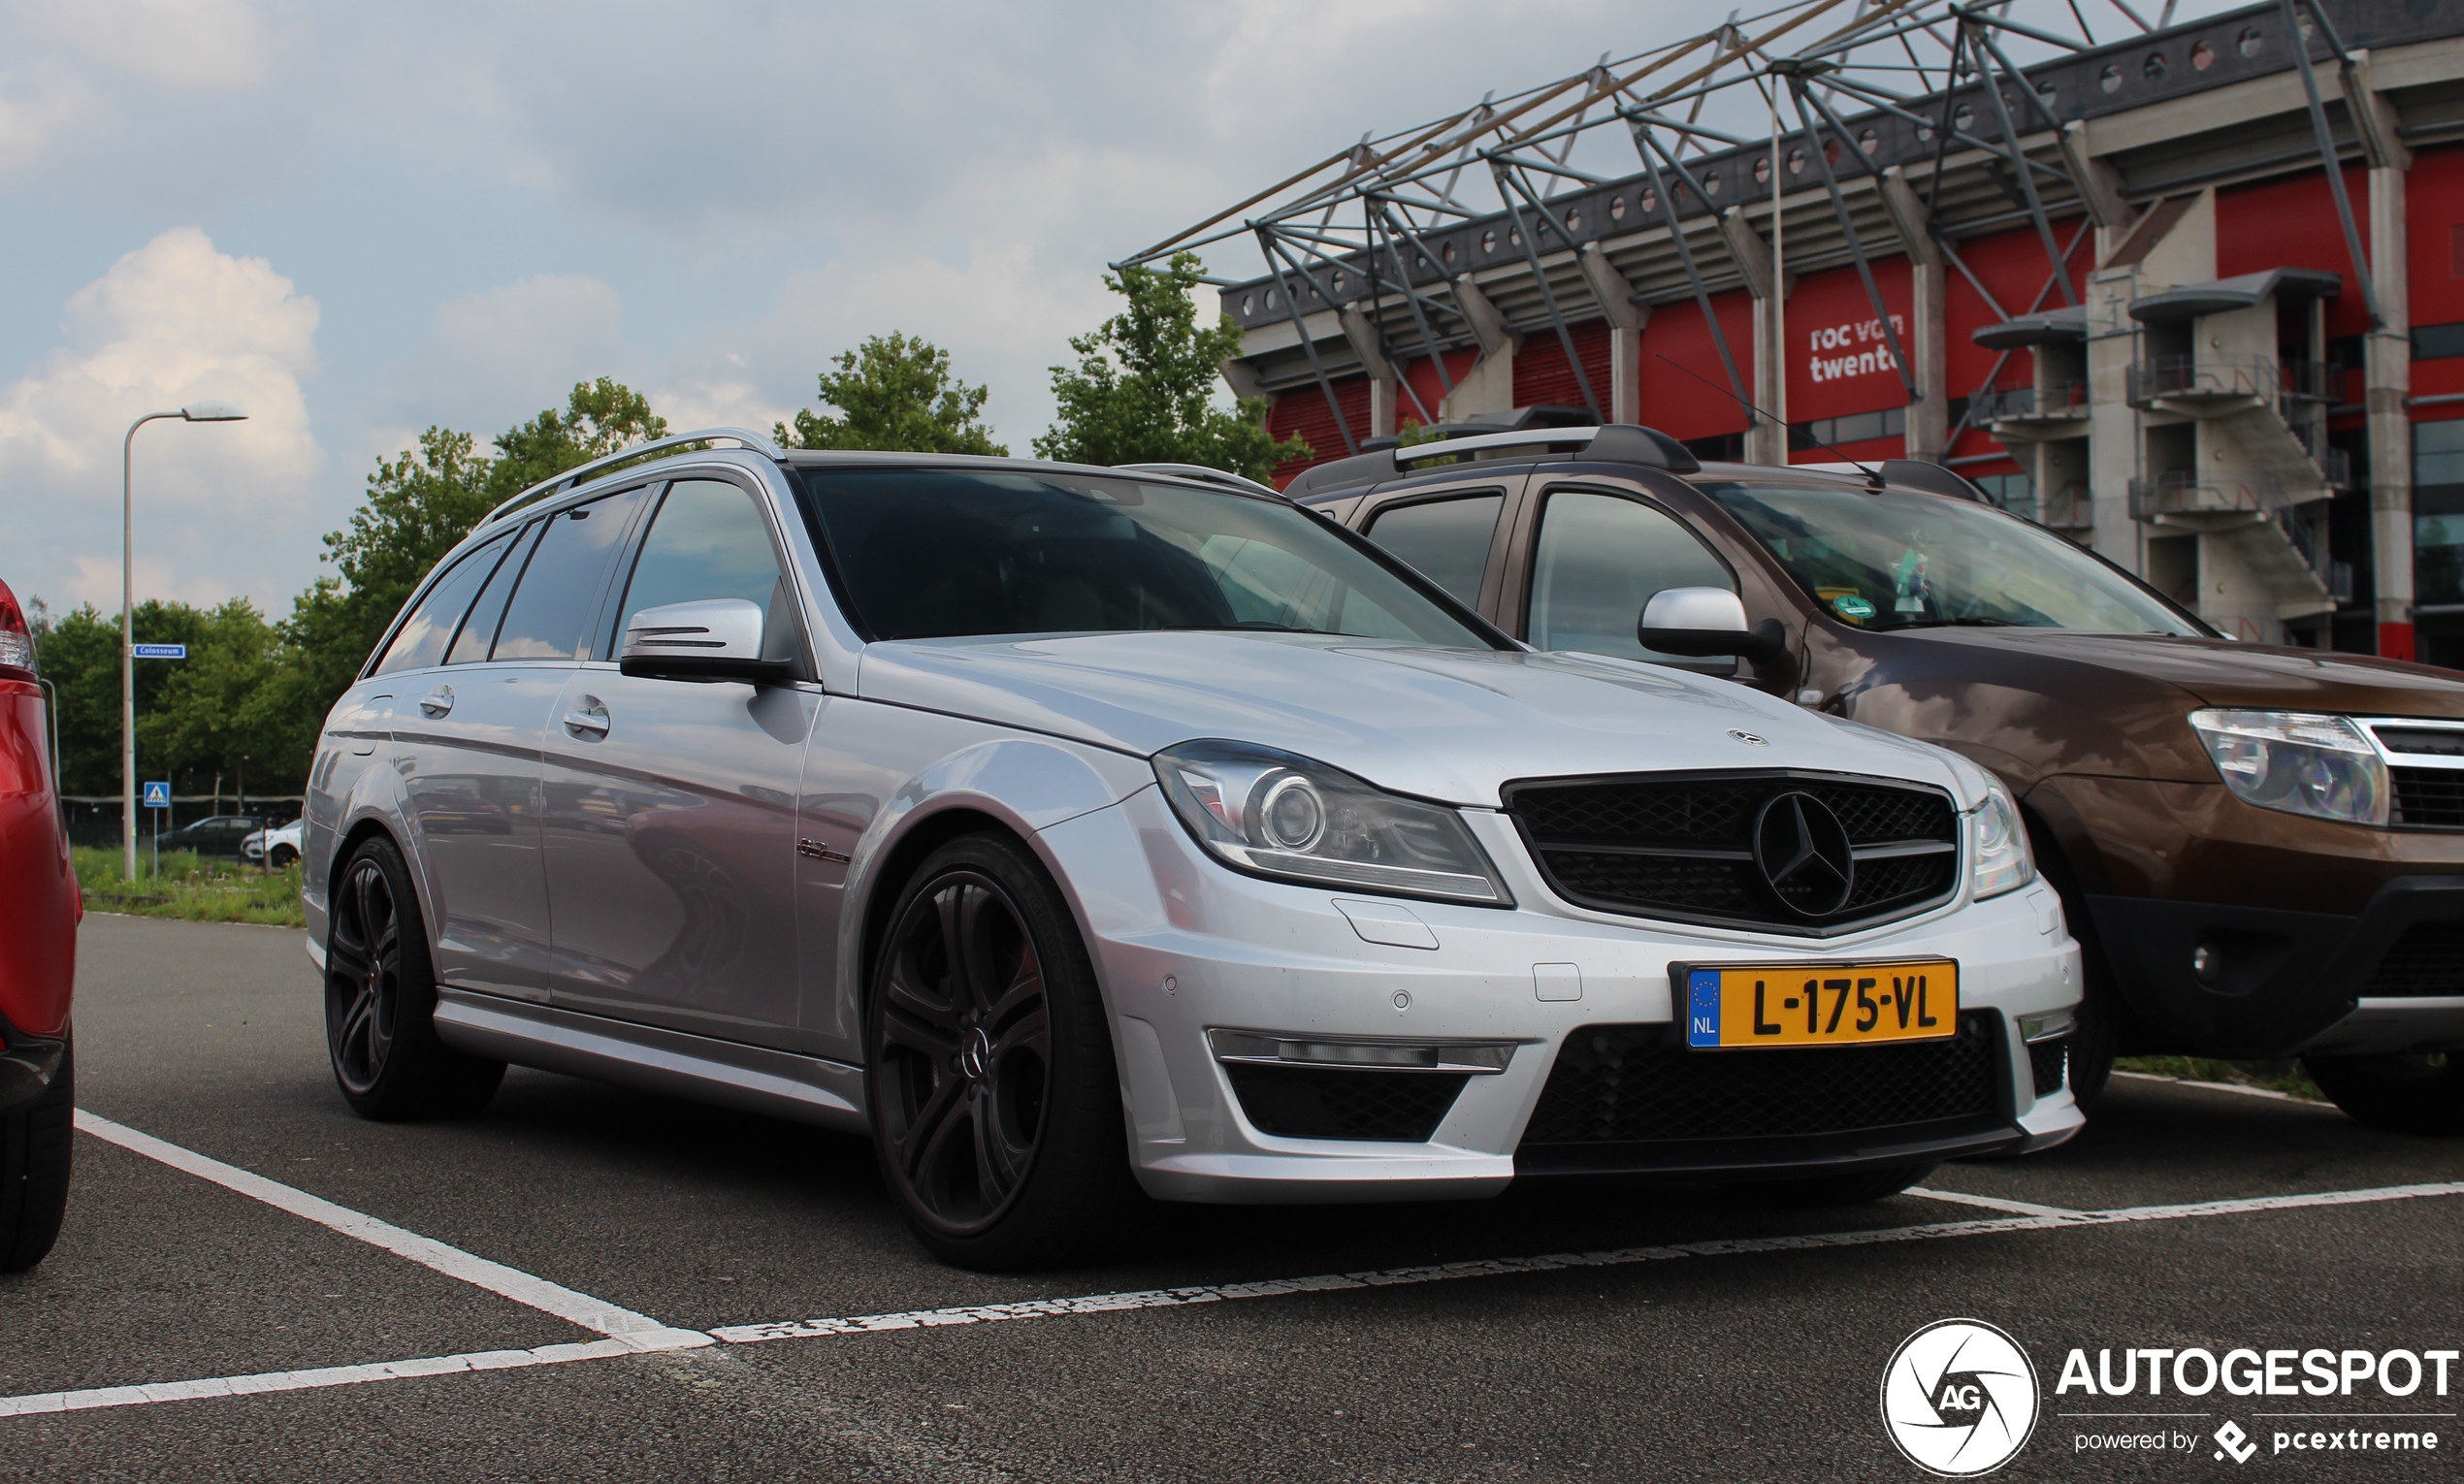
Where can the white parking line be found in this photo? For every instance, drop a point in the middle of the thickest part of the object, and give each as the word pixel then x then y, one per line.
pixel 310 1380
pixel 2248 1092
pixel 642 1334
pixel 1990 1202
pixel 628 1329
pixel 1170 1298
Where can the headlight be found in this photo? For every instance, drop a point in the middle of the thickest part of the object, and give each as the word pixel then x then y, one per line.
pixel 1278 815
pixel 2298 761
pixel 2003 860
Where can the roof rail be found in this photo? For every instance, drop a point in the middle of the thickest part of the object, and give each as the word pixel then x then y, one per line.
pixel 1613 444
pixel 1204 476
pixel 757 442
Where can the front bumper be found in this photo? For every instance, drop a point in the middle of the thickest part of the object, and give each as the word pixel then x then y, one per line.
pixel 2279 982
pixel 1186 948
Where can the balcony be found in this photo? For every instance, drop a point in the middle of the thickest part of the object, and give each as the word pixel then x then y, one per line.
pixel 2193 380
pixel 2069 509
pixel 2182 492
pixel 2023 401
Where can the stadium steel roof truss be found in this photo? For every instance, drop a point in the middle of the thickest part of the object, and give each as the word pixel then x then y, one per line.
pixel 1922 122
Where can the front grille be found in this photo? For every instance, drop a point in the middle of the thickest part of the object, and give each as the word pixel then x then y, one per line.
pixel 1323 1103
pixel 1630 1085
pixel 1681 845
pixel 2048 1062
pixel 2427 960
pixel 2428 799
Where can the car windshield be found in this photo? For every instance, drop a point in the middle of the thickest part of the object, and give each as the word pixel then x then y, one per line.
pixel 1894 558
pixel 936 553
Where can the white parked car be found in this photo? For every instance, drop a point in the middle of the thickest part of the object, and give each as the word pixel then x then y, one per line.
pixel 283 842
pixel 1072 832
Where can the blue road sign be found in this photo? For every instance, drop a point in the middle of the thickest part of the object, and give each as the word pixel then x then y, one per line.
pixel 162 651
pixel 158 796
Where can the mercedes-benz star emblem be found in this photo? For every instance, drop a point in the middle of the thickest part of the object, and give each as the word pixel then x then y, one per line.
pixel 1804 852
pixel 1748 739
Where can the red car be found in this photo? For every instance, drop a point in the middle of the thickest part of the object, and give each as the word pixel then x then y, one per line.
pixel 38 962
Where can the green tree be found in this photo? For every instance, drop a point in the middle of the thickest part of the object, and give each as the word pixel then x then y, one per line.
pixel 599 417
pixel 1144 389
pixel 420 504
pixel 895 394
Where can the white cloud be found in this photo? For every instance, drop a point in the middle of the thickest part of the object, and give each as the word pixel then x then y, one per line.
pixel 183 42
pixel 1002 317
pixel 493 359
pixel 172 323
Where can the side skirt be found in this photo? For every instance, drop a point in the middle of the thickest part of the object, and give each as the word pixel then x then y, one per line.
pixel 752 1079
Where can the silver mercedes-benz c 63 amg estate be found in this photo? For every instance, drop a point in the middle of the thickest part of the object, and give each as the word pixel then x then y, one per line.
pixel 1078 832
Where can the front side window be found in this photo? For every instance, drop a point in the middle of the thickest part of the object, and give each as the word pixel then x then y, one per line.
pixel 558 596
pixel 1897 559
pixel 1447 539
pixel 1596 562
pixel 709 540
pixel 925 553
pixel 421 641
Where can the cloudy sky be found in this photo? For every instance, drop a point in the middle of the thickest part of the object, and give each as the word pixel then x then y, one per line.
pixel 360 220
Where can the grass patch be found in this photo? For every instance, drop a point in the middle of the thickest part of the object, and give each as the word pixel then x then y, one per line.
pixel 191 887
pixel 2273 1076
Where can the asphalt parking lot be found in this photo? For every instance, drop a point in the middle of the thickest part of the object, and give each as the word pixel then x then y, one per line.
pixel 1550 1334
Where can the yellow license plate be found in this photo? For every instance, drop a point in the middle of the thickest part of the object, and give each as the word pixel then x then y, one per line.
pixel 1820 1004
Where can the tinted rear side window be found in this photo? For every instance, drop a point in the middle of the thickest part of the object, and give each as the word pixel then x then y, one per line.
pixel 552 609
pixel 479 629
pixel 421 641
pixel 1447 539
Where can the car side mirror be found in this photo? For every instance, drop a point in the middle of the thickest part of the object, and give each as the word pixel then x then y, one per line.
pixel 1706 622
pixel 718 638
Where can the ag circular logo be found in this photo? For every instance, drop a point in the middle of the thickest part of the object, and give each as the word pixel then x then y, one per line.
pixel 1960 1398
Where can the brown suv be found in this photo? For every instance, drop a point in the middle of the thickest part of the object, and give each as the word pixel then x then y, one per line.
pixel 2261 848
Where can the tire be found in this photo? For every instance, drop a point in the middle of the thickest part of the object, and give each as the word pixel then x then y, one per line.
pixel 34 1170
pixel 284 856
pixel 1854 1189
pixel 380 1000
pixel 2408 1092
pixel 994 1099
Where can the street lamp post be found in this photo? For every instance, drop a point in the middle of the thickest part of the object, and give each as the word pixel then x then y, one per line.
pixel 194 412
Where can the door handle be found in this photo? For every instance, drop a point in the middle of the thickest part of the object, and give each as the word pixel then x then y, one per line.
pixel 589 718
pixel 436 702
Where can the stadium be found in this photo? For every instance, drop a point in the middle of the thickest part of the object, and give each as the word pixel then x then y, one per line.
pixel 2095 260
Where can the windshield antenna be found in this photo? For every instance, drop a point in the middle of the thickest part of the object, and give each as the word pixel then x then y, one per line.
pixel 1873 475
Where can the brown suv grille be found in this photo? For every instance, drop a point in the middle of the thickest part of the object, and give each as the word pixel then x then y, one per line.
pixel 2428 960
pixel 1681 845
pixel 2428 799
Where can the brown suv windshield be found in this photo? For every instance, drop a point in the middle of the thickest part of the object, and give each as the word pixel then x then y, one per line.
pixel 1891 559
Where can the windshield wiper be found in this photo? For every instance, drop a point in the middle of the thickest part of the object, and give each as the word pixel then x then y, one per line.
pixel 1962 623
pixel 1257 625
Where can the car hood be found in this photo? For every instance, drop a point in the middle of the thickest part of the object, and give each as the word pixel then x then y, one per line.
pixel 1443 723
pixel 2225 673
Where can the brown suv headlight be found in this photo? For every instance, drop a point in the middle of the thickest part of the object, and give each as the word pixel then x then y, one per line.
pixel 2298 761
pixel 1277 814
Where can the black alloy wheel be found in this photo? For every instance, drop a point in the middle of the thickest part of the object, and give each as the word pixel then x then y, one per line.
pixel 967 1041
pixel 363 977
pixel 381 999
pixel 995 1103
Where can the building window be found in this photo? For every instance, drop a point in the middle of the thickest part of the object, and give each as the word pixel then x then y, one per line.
pixel 2437 454
pixel 1855 428
pixel 2437 343
pixel 2011 492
